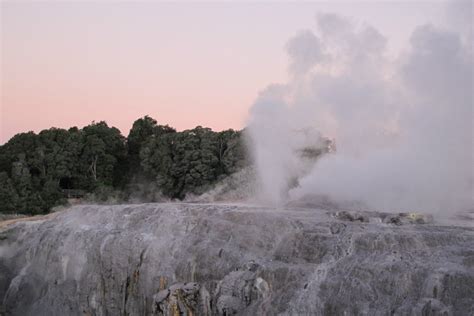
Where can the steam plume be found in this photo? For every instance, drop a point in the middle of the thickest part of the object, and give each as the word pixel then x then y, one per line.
pixel 403 126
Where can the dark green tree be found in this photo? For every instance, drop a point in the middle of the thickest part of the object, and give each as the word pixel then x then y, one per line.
pixel 142 130
pixel 103 148
pixel 29 199
pixel 8 195
pixel 193 160
pixel 23 144
pixel 232 151
pixel 37 171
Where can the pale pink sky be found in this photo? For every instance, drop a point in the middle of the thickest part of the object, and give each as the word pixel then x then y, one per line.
pixel 66 64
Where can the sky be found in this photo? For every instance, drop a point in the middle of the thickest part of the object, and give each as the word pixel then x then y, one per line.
pixel 185 64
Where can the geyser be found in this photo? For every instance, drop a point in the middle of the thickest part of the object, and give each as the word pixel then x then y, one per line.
pixel 403 126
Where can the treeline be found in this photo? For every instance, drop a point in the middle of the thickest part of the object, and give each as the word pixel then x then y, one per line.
pixel 39 171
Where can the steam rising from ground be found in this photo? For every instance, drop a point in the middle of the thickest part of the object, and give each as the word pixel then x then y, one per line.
pixel 403 126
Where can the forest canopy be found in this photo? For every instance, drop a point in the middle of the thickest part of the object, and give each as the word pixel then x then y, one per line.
pixel 40 171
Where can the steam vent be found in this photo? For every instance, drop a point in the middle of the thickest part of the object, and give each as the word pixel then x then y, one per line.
pixel 217 259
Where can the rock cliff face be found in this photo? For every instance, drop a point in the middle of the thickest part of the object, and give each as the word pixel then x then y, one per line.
pixel 204 259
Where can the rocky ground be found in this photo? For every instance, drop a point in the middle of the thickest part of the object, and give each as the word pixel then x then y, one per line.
pixel 217 259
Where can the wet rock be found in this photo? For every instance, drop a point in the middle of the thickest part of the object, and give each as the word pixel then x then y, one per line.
pixel 407 218
pixel 392 219
pixel 351 216
pixel 337 228
pixel 179 299
pixel 201 259
pixel 433 307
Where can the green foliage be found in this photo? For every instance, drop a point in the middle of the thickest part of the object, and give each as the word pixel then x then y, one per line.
pixel 37 170
pixel 192 160
pixel 142 130
pixel 21 144
pixel 51 195
pixel 29 199
pixel 103 148
pixel 232 151
pixel 8 196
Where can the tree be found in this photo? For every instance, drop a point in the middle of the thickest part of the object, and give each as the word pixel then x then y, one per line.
pixel 103 147
pixel 232 151
pixel 29 200
pixel 157 160
pixel 8 195
pixel 35 169
pixel 142 130
pixel 191 161
pixel 24 144
pixel 56 154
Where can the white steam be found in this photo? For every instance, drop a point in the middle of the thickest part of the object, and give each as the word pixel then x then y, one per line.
pixel 403 127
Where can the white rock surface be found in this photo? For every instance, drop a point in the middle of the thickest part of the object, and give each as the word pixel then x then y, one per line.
pixel 218 259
